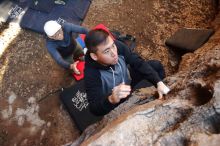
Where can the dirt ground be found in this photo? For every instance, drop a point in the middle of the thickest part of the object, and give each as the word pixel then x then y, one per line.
pixel 28 73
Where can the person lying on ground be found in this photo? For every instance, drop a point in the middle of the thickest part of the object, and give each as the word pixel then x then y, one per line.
pixel 108 80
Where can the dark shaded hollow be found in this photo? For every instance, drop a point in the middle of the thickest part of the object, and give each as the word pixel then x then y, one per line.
pixel 176 55
pixel 200 95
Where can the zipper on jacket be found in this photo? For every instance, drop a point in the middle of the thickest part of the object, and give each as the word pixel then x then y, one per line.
pixel 113 75
pixel 123 80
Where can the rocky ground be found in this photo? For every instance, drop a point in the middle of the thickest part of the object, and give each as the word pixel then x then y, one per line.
pixel 28 73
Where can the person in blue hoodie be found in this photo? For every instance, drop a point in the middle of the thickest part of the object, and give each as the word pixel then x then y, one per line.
pixel 108 80
pixel 61 43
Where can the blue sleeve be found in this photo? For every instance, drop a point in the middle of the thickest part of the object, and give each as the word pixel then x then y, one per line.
pixel 57 57
pixel 75 28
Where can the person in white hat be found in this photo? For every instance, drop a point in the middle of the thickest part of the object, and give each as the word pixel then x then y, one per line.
pixel 61 43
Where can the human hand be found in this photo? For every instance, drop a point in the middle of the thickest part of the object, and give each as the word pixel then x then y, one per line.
pixel 74 68
pixel 162 89
pixel 119 92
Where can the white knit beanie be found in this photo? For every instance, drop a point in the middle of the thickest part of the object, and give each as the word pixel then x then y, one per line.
pixel 51 27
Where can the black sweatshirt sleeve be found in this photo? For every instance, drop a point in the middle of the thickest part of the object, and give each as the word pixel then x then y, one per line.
pixel 98 102
pixel 137 63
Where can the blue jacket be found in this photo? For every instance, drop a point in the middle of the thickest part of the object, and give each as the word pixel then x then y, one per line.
pixel 59 49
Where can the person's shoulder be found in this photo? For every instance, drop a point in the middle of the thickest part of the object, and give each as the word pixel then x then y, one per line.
pixel 91 75
pixel 120 45
pixel 122 48
pixel 65 26
pixel 89 69
pixel 68 25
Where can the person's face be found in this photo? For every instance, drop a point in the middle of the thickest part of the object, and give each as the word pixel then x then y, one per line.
pixel 58 35
pixel 107 53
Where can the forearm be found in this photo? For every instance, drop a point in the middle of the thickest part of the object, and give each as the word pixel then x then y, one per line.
pixel 63 63
pixel 149 73
pixel 78 29
pixel 58 58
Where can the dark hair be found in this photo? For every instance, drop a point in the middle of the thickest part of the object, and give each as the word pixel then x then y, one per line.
pixel 95 38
